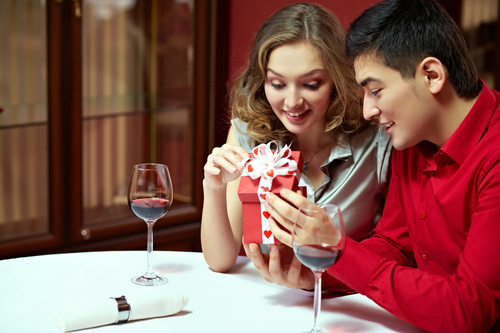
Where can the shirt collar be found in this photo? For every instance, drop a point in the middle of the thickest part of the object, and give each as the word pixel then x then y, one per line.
pixel 469 133
pixel 341 150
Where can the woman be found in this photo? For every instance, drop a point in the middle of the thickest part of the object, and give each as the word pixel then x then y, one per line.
pixel 298 89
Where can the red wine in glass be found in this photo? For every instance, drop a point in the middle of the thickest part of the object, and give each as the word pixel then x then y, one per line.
pixel 150 209
pixel 317 257
pixel 150 197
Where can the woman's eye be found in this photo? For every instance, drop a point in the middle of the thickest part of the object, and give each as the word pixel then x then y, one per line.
pixel 375 92
pixel 277 85
pixel 313 85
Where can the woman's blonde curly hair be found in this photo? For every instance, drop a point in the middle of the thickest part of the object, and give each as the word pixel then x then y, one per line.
pixel 293 24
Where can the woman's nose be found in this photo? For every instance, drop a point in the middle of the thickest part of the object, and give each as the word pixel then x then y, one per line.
pixel 293 99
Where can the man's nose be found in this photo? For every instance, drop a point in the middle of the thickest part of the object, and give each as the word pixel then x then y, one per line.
pixel 370 110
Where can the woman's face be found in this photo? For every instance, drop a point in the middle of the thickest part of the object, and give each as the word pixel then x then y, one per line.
pixel 298 87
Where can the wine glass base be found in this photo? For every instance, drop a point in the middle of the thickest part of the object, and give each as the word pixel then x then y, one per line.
pixel 150 281
pixel 315 330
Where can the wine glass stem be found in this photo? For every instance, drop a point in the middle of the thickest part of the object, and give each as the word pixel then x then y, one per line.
pixel 149 272
pixel 317 299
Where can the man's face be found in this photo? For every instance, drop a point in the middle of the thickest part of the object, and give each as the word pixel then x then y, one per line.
pixel 402 106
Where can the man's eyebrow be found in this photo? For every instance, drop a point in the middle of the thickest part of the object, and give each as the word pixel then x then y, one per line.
pixel 368 80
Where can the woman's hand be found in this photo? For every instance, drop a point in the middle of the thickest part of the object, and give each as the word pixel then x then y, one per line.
pixel 224 165
pixel 281 266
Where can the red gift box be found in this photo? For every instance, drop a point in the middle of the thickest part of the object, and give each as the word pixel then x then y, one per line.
pixel 265 171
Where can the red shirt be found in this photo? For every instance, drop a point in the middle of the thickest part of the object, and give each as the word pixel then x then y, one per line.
pixel 434 259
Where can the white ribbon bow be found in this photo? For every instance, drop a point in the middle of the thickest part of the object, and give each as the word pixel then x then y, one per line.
pixel 268 163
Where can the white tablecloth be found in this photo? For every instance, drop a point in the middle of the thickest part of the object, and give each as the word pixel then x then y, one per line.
pixel 33 289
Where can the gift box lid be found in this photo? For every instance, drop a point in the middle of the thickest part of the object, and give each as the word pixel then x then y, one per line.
pixel 249 188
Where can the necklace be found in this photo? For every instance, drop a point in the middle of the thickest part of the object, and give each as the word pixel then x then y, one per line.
pixel 305 167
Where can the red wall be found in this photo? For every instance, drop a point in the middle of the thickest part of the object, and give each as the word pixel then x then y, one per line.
pixel 247 15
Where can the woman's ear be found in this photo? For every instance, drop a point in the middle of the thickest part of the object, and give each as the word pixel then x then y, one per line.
pixel 434 72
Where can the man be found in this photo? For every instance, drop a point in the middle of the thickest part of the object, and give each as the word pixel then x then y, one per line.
pixel 433 259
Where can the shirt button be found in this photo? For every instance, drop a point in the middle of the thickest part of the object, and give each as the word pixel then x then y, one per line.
pixel 423 215
pixel 424 256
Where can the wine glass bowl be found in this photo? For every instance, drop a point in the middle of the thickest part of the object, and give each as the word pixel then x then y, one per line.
pixel 150 198
pixel 318 239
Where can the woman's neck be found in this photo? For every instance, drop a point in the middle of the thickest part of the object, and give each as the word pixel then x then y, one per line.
pixel 310 144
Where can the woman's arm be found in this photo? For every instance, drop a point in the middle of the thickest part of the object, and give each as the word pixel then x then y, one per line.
pixel 221 223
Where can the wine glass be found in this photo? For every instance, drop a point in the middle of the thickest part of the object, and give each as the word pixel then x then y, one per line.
pixel 318 239
pixel 150 197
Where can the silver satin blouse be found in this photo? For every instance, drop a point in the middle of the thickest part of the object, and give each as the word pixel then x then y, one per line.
pixel 355 176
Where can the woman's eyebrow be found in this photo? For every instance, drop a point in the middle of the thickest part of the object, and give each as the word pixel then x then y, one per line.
pixel 314 71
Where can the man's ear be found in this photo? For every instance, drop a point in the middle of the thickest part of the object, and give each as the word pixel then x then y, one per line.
pixel 434 72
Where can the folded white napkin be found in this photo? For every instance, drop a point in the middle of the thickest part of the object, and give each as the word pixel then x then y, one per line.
pixel 99 310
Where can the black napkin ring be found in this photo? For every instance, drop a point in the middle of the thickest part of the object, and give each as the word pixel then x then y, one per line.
pixel 123 309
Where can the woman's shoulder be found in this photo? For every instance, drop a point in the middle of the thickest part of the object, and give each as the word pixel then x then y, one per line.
pixel 371 135
pixel 239 125
pixel 373 141
pixel 242 137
